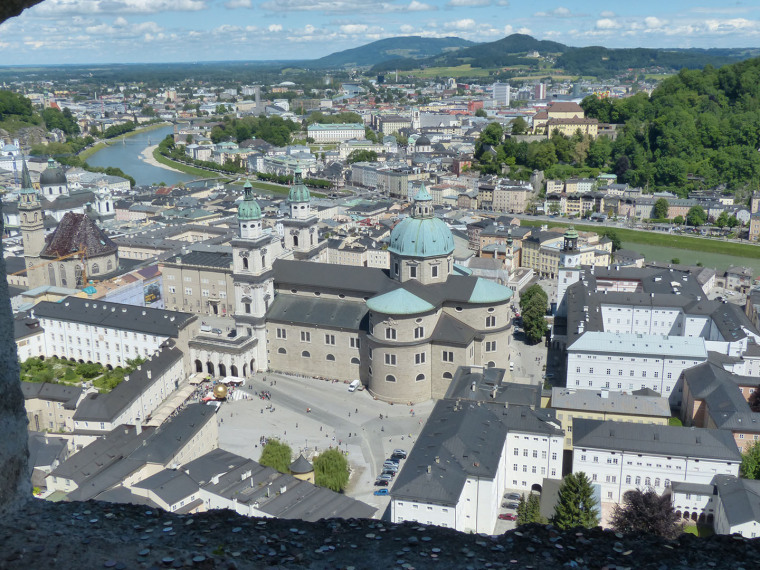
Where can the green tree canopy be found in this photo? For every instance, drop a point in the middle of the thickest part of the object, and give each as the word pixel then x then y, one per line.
pixel 722 220
pixel 614 237
pixel 533 304
pixel 529 510
pixel 331 470
pixel 750 467
pixel 661 209
pixel 646 512
pixel 362 156
pixel 576 505
pixel 276 455
pixel 519 126
pixel 481 113
pixel 696 216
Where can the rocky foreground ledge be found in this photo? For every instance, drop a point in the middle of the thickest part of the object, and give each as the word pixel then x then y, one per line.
pixel 101 535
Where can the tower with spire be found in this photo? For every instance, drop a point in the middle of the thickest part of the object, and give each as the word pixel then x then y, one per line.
pixel 32 229
pixel 300 229
pixel 254 253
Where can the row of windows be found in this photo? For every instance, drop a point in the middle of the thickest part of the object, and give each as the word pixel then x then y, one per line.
pixel 533 469
pixel 307 354
pixel 620 372
pixel 306 337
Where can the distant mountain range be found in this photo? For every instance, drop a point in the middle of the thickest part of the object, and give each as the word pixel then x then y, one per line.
pixel 409 48
pixel 414 52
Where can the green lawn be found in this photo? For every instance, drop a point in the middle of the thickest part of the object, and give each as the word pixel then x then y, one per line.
pixel 702 531
pixel 706 245
pixel 192 170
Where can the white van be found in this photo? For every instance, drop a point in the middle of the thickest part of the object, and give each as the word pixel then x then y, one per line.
pixel 354 385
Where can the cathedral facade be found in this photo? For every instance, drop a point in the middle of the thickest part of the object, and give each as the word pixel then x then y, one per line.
pixel 402 332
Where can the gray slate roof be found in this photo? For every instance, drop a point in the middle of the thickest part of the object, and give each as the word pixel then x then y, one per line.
pixel 169 485
pixel 610 402
pixel 740 498
pixel 157 322
pixel 656 440
pixel 331 313
pixel 107 407
pixel 461 440
pixel 69 395
pixel 490 386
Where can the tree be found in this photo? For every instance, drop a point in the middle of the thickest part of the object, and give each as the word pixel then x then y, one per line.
pixel 519 126
pixel 733 222
pixel 614 237
pixel 362 156
pixel 533 304
pixel 331 470
pixel 661 209
pixel 576 505
pixel 676 261
pixel 750 467
pixel 276 455
pixel 696 216
pixel 532 295
pixel 481 113
pixel 722 220
pixel 529 511
pixel 678 220
pixel 646 512
pixel 492 134
pixel 522 511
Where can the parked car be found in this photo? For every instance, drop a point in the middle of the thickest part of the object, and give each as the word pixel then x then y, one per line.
pixel 381 483
pixel 388 472
pixel 381 492
pixel 390 465
pixel 384 477
pixel 216 331
pixel 400 453
pixel 509 505
pixel 394 460
pixel 512 496
pixel 507 517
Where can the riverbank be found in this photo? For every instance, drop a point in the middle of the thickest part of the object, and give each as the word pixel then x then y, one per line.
pixel 158 159
pixel 149 156
pixel 88 152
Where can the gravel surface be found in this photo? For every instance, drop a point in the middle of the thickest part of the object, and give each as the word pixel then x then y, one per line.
pixel 100 535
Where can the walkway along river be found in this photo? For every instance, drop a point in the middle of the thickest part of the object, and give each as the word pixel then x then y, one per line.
pixel 125 154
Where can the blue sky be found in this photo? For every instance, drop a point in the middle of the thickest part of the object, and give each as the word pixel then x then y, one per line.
pixel 105 31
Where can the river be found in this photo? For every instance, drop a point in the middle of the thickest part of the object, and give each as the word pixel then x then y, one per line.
pixel 126 155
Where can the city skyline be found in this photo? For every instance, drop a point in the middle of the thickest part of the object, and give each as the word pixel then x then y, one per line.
pixel 147 31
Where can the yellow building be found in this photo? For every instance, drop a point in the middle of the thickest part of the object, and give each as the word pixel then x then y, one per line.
pixel 541 251
pixel 641 407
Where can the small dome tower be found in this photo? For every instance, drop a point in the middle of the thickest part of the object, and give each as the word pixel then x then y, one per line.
pixel 249 214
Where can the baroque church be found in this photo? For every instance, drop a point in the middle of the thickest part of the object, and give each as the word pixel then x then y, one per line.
pixel 403 331
pixel 75 252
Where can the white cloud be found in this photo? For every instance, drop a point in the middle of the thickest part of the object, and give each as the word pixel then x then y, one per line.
pixel 354 28
pixel 120 22
pixel 559 12
pixel 357 6
pixel 607 14
pixel 275 27
pixel 464 24
pixel 232 4
pixel 90 7
pixel 406 28
pixel 607 24
pixel 468 3
pixel 652 22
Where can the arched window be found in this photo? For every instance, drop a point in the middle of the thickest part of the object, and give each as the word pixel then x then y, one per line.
pixel 62 271
pixel 51 274
pixel 222 370
pixel 233 370
pixel 295 241
pixel 330 357
pixel 95 269
pixel 390 378
pixel 354 360
pixel 420 378
pixel 198 366
pixel 657 482
pixel 248 308
pixel 638 480
pixel 281 351
pixel 447 376
pixel 648 481
pixel 245 263
pixel 263 261
pixel 491 364
pixel 109 266
pixel 306 354
pixel 78 281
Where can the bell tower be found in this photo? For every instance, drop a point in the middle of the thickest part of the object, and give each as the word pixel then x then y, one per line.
pixel 32 230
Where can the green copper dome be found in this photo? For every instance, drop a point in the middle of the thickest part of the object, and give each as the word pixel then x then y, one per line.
pixel 422 235
pixel 570 233
pixel 249 208
pixel 298 192
pixel 399 302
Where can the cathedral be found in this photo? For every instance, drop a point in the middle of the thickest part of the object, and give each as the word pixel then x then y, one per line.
pixel 403 331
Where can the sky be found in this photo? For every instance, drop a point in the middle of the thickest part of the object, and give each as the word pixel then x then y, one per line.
pixel 137 31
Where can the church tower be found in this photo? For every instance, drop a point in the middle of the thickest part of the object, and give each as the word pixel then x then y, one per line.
pixel 301 229
pixel 569 268
pixel 32 230
pixel 253 255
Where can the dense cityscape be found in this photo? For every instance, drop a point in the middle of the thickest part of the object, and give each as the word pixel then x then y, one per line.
pixel 467 300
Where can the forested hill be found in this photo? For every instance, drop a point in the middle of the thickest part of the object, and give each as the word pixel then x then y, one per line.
pixel 407 47
pixel 705 123
pixel 596 61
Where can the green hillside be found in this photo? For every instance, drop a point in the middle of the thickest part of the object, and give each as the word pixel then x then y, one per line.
pixel 407 47
pixel 597 61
